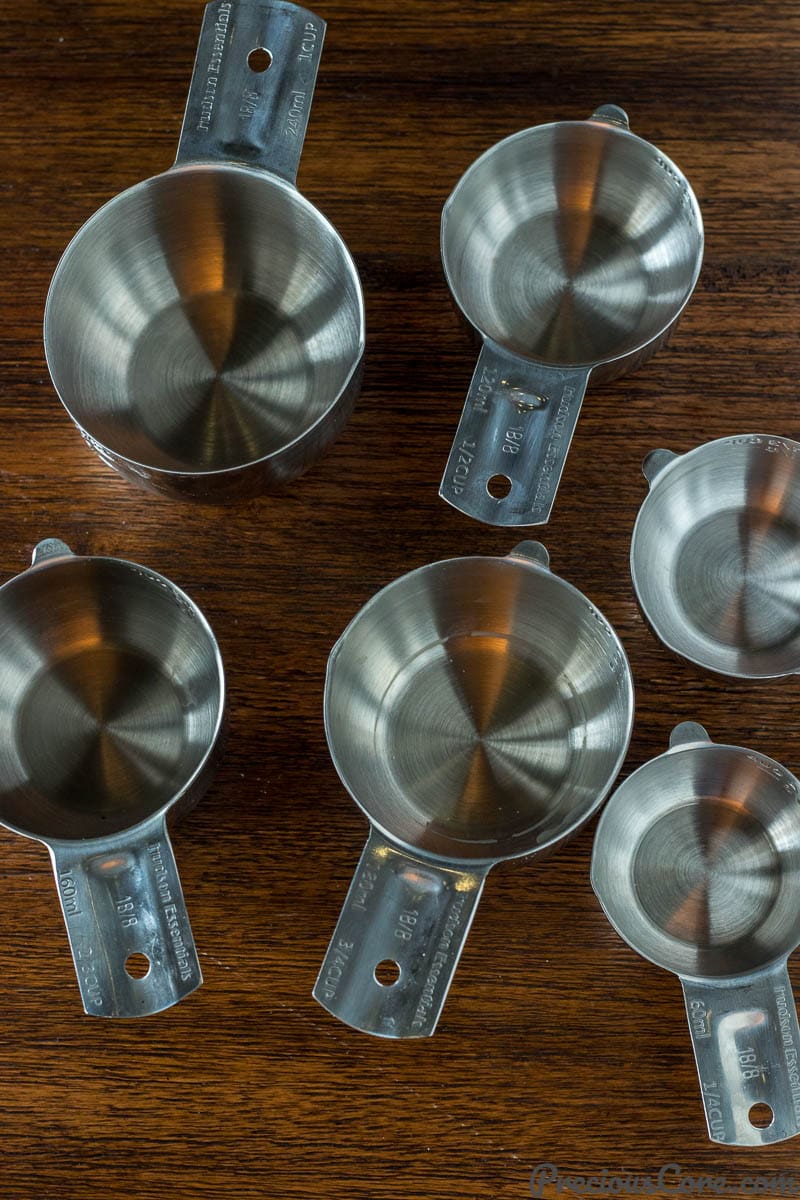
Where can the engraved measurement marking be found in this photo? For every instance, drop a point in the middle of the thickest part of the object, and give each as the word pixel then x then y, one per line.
pixel 465 458
pixel 405 924
pixel 665 166
pixel 184 605
pixel 676 178
pixel 338 959
pixel 483 392
pixel 772 445
pixel 364 888
pixel 439 961
pixel 214 65
pixel 786 1023
pixel 296 113
pixel 309 43
pixel 779 446
pixel 713 1105
pixel 775 772
pixel 553 452
pixel 298 99
pixel 88 974
pixel 699 1019
pixel 69 894
pixel 616 658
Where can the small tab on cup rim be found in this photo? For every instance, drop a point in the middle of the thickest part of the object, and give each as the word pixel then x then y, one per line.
pixel 655 462
pixel 611 114
pixel 49 548
pixel 688 733
pixel 532 553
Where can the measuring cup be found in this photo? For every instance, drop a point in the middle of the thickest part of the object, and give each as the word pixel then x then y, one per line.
pixel 111 700
pixel 714 554
pixel 697 865
pixel 476 710
pixel 205 328
pixel 571 249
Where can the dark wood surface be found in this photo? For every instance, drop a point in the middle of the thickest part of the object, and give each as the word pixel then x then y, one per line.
pixel 557 1042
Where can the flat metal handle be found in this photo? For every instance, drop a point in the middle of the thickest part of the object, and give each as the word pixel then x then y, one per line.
pixel 404 922
pixel 121 903
pixel 747 1049
pixel 516 429
pixel 252 85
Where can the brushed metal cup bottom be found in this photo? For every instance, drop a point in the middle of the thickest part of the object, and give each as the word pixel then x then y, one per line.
pixel 714 555
pixel 203 321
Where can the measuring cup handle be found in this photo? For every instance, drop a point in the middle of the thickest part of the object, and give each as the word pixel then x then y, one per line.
pixel 747 1049
pixel 516 427
pixel 240 110
pixel 406 917
pixel 123 902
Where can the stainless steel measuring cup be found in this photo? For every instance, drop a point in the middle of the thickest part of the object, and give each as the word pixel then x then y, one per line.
pixel 697 865
pixel 714 554
pixel 111 700
pixel 205 328
pixel 476 709
pixel 571 249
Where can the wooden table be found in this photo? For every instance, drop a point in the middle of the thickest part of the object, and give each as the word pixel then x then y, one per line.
pixel 557 1043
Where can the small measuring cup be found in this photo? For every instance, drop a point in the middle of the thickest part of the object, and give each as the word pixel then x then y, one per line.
pixel 714 555
pixel 477 710
pixel 111 701
pixel 205 328
pixel 570 249
pixel 697 865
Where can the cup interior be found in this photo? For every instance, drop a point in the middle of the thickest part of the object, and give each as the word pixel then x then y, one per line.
pixel 697 861
pixel 572 244
pixel 478 709
pixel 111 693
pixel 714 556
pixel 203 320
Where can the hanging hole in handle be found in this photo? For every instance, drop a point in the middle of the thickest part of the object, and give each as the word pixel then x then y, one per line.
pixel 498 486
pixel 387 972
pixel 259 60
pixel 761 1116
pixel 137 965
